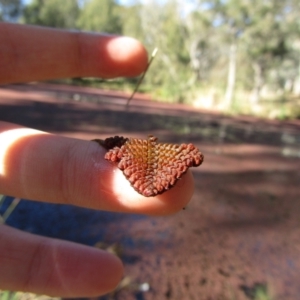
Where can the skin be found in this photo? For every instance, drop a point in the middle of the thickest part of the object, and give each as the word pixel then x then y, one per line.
pixel 51 168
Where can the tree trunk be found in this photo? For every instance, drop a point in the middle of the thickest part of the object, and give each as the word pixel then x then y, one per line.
pixel 258 82
pixel 296 84
pixel 231 76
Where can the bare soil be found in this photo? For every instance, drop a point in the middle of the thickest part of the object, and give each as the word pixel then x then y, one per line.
pixel 240 235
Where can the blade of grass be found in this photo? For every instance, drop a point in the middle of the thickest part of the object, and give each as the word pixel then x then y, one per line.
pixel 142 77
pixel 10 209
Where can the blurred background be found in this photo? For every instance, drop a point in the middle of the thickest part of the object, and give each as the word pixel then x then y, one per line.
pixel 236 56
pixel 226 78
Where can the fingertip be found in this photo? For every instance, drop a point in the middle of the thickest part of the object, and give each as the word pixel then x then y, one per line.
pixel 110 56
pixel 55 267
pixel 128 54
pixel 97 272
pixel 112 276
pixel 180 195
pixel 167 203
pixel 64 54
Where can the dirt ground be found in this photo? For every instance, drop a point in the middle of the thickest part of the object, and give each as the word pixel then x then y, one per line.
pixel 240 236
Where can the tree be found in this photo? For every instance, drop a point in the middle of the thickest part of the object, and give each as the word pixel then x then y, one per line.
pixel 52 13
pixel 100 16
pixel 163 28
pixel 266 41
pixel 131 19
pixel 254 32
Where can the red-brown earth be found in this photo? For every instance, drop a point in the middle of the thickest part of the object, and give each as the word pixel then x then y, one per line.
pixel 240 235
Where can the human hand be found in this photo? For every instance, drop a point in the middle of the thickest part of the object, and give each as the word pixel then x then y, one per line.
pixel 50 168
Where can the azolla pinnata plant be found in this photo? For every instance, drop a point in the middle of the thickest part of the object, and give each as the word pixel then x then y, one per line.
pixel 151 167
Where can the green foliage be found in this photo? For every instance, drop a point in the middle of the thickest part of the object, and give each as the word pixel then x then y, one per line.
pixel 162 27
pixel 130 17
pixel 52 13
pixel 100 16
pixel 261 293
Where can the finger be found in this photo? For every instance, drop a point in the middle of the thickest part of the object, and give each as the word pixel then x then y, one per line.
pixel 45 167
pixel 41 265
pixel 30 53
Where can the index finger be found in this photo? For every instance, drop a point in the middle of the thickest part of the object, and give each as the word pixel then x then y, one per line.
pixel 45 167
pixel 30 53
